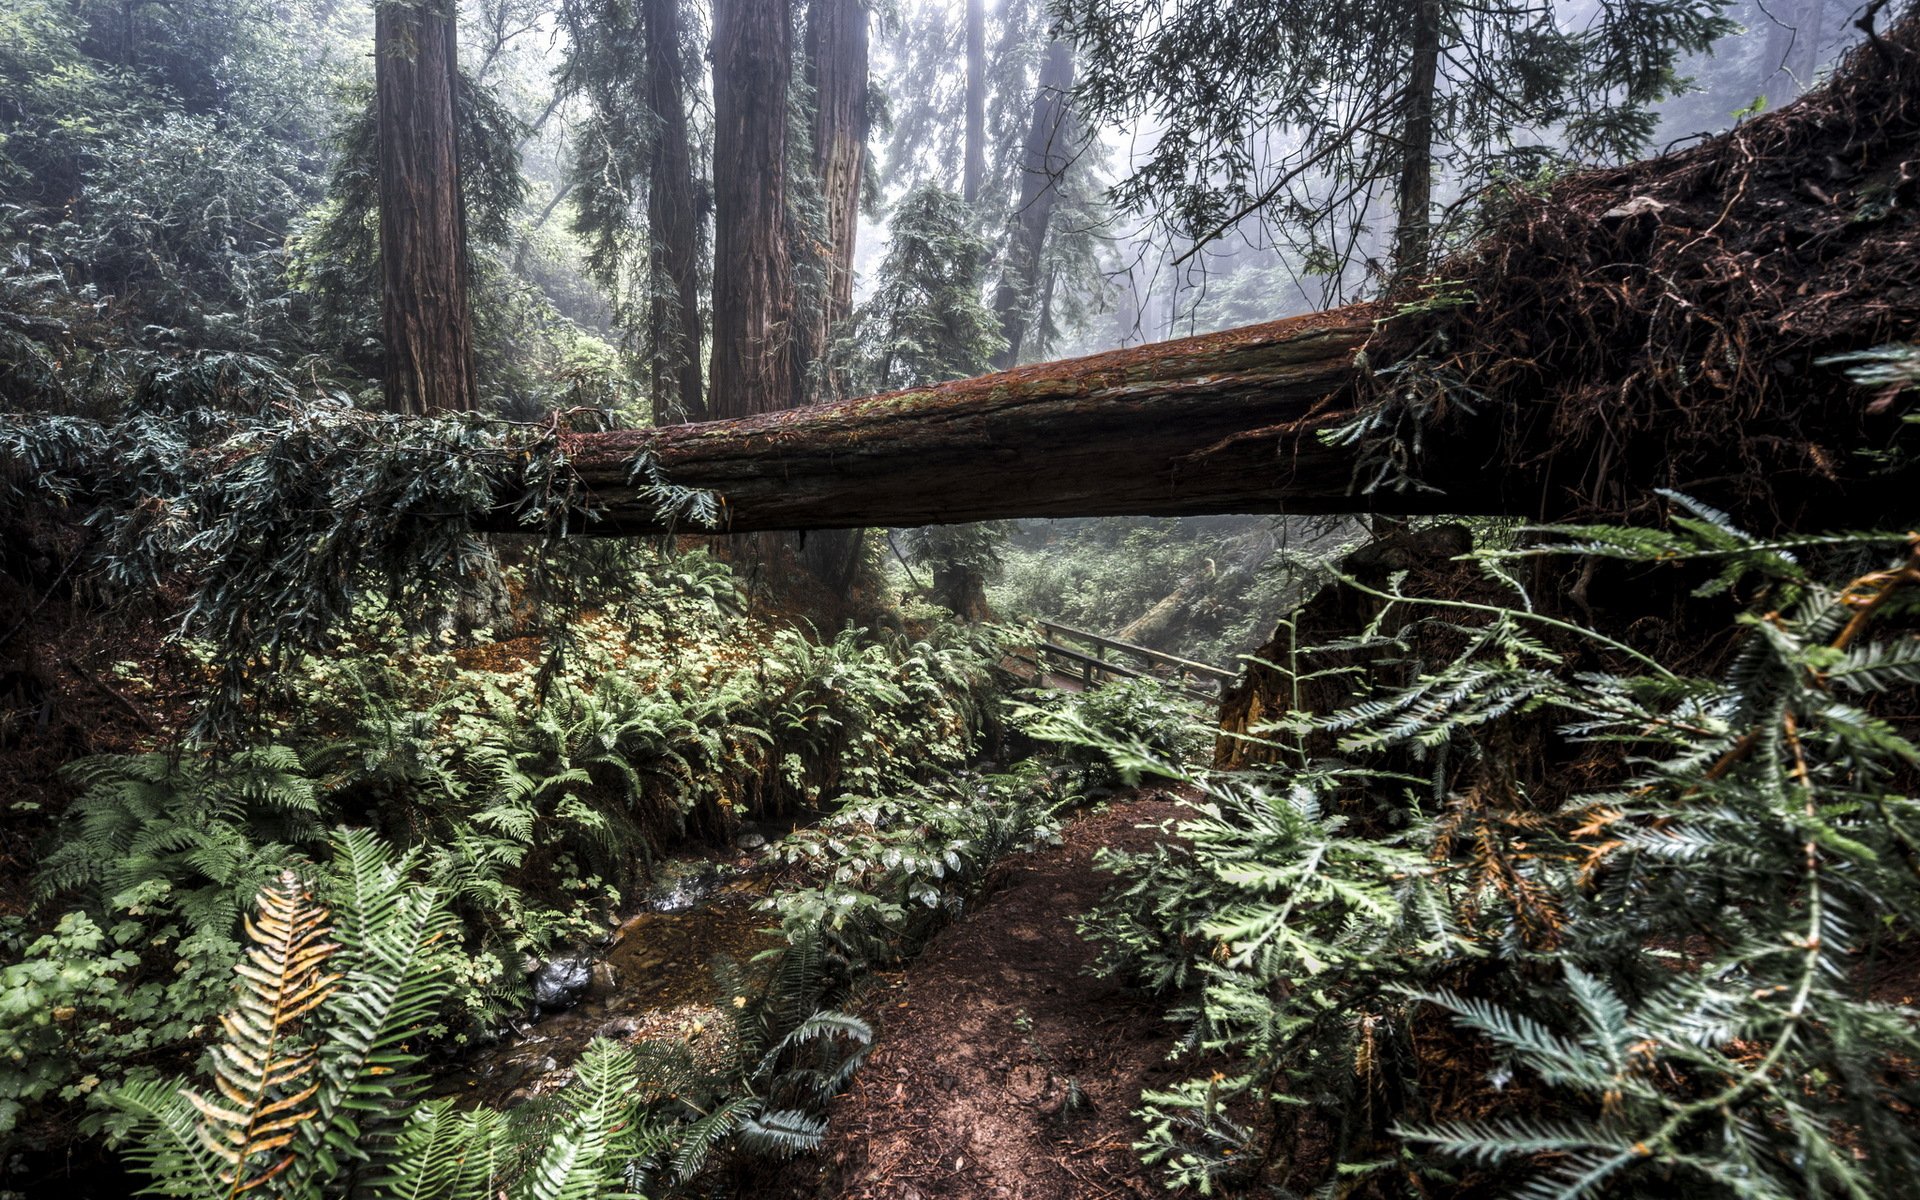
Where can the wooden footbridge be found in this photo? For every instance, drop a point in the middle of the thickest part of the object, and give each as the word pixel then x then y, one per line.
pixel 1074 659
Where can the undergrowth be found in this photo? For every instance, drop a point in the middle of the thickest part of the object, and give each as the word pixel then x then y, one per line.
pixel 1545 916
pixel 318 1065
pixel 533 801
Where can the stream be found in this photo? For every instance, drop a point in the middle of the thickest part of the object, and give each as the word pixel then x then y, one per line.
pixel 653 979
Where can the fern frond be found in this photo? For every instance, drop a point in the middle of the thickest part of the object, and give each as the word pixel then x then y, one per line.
pixel 264 1071
pixel 166 1144
pixel 446 1154
pixel 590 1156
pixel 391 931
pixel 782 1133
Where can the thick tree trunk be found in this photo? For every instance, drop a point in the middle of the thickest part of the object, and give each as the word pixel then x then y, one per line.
pixel 673 228
pixel 1159 430
pixel 975 168
pixel 1413 235
pixel 423 225
pixel 1607 353
pixel 837 58
pixel 752 273
pixel 1043 160
pixel 837 63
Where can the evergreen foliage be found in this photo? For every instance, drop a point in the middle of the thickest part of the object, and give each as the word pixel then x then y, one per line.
pixel 925 147
pixel 1305 117
pixel 924 321
pixel 1657 981
pixel 317 1067
pixel 1204 588
pixel 531 817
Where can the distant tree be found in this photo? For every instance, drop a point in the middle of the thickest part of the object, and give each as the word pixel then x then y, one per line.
pixel 974 168
pixel 675 224
pixel 836 57
pixel 1324 119
pixel 1049 151
pixel 426 314
pixel 996 123
pixel 638 202
pixel 925 322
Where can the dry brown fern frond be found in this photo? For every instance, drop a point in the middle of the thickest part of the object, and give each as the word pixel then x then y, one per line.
pixel 264 1069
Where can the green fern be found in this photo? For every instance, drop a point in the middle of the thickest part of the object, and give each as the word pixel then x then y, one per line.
pixel 598 1138
pixel 265 1065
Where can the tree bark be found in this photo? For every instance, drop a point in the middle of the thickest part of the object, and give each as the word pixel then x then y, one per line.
pixel 423 225
pixel 837 59
pixel 1413 235
pixel 752 273
pixel 1043 160
pixel 1176 428
pixel 673 228
pixel 975 168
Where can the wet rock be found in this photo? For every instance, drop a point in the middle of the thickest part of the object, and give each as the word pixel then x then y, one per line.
pixel 602 981
pixel 560 983
pixel 751 840
pixel 621 1028
pixel 687 891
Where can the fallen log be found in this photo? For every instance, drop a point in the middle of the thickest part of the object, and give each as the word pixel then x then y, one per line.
pixel 1146 431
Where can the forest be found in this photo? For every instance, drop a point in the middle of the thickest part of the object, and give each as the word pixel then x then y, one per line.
pixel 949 599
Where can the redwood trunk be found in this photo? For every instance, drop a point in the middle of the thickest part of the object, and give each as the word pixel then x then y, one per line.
pixel 423 224
pixel 673 228
pixel 1043 161
pixel 752 274
pixel 1221 423
pixel 837 54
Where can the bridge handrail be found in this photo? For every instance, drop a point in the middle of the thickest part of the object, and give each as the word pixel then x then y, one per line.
pixel 1150 655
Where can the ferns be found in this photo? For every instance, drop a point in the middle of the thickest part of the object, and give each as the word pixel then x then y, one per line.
pixel 588 1156
pixel 395 979
pixel 264 1072
pixel 445 1154
pixel 339 1108
pixel 265 1066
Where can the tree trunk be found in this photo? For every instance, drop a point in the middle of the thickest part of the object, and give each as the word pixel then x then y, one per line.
pixel 976 128
pixel 423 224
pixel 1604 356
pixel 752 274
pixel 1172 429
pixel 1043 160
pixel 837 58
pixel 961 591
pixel 673 228
pixel 837 64
pixel 1413 236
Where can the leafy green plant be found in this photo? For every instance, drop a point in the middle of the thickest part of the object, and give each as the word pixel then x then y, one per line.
pixel 1657 982
pixel 1121 731
pixel 886 872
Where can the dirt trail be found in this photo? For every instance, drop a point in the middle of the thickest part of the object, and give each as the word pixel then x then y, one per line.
pixel 1001 1068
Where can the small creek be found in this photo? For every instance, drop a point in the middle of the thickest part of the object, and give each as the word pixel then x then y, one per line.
pixel 653 980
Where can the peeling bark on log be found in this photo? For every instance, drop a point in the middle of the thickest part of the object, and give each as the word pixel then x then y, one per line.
pixel 1160 430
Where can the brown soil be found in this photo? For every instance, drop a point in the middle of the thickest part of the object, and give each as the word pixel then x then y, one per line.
pixel 1001 1068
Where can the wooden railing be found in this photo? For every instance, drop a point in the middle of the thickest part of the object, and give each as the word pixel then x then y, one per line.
pixel 1091 658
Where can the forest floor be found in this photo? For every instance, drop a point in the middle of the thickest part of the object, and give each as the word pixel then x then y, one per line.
pixel 1002 1068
